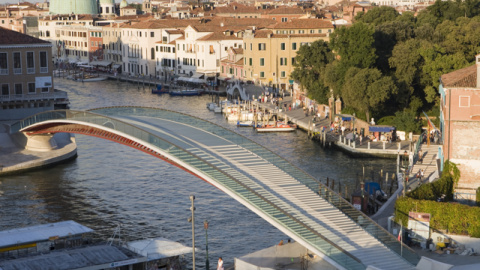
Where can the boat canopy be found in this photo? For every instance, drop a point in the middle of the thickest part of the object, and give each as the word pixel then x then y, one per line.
pixel 40 233
pixel 381 128
pixel 158 248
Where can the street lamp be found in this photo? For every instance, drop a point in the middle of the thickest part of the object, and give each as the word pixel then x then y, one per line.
pixel 205 225
pixel 354 127
pixel 192 220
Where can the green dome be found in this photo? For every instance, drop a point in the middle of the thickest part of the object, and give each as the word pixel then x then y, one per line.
pixel 123 4
pixel 110 2
pixel 73 6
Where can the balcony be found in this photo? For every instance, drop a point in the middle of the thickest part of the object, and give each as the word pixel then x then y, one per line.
pixel 30 70
pixel 3 71
pixel 17 71
pixel 43 69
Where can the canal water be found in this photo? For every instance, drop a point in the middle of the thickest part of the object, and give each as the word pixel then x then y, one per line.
pixel 111 184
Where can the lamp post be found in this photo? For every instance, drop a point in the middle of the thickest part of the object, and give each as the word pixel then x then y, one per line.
pixel 354 127
pixel 192 220
pixel 207 262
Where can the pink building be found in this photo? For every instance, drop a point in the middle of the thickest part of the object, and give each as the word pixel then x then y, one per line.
pixel 460 124
pixel 232 66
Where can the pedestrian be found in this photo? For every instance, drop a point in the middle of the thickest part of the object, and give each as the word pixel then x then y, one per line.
pixel 420 156
pixel 361 139
pixel 220 264
pixel 421 175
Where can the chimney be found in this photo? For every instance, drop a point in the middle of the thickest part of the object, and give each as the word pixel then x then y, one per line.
pixel 221 24
pixel 477 63
pixel 76 17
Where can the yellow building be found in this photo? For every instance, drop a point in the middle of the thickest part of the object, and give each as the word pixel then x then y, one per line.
pixel 269 54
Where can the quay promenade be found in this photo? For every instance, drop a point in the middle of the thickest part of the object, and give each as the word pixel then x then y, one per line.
pixel 330 138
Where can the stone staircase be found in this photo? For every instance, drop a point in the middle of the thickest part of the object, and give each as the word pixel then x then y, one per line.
pixel 429 164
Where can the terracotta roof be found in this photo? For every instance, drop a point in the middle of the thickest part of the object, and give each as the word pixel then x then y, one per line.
pixel 304 24
pixel 237 50
pixel 286 10
pixel 236 8
pixel 13 38
pixel 465 77
pixel 218 36
pixel 174 32
pixel 239 62
pixel 128 7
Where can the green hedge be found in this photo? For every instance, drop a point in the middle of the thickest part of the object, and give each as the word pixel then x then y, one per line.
pixel 445 216
pixel 453 218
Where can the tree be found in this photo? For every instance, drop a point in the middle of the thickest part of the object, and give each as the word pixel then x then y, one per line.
pixel 406 120
pixel 366 89
pixel 309 69
pixel 378 15
pixel 407 63
pixel 355 45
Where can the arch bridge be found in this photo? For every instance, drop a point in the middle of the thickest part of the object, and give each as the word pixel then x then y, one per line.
pixel 285 196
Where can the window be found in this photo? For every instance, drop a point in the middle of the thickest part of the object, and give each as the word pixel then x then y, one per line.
pixel 312 31
pixel 262 62
pixel 284 19
pixel 5 89
pixel 262 74
pixel 282 46
pixel 319 31
pixel 17 63
pixel 262 46
pixel 30 63
pixel 43 62
pixel 301 31
pixel 282 74
pixel 283 61
pixel 250 61
pixel 152 54
pixel 251 46
pixel 18 89
pixel 293 61
pixel 31 88
pixel 45 90
pixel 294 46
pixel 464 101
pixel 3 64
pixel 152 34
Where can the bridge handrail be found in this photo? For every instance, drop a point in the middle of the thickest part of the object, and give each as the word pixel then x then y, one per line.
pixel 338 254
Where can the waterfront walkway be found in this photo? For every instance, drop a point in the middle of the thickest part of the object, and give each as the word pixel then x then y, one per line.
pixel 288 198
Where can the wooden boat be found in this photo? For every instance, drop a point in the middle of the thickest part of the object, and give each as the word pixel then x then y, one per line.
pixel 187 92
pixel 277 127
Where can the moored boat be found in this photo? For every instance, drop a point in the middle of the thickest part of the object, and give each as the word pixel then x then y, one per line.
pixel 160 90
pixel 187 92
pixel 277 127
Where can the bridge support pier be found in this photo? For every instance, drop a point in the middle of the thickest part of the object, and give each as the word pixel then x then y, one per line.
pixel 40 142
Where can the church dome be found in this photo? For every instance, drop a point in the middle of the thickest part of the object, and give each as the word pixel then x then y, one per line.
pixel 123 4
pixel 74 6
pixel 107 2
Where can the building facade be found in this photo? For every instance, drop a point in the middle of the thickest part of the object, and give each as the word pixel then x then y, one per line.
pixel 460 124
pixel 26 76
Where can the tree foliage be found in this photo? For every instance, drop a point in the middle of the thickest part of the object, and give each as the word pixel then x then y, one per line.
pixel 309 69
pixel 367 89
pixel 401 56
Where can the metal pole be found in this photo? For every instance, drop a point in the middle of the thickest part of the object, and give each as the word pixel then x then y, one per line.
pixel 192 220
pixel 207 262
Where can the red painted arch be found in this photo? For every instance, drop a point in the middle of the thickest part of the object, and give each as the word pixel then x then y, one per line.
pixel 62 127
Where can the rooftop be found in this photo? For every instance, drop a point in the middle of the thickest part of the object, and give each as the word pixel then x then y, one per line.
pixel 9 37
pixel 465 77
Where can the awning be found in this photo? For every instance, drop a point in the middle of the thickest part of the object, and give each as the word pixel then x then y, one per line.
pixel 101 63
pixel 221 78
pixel 115 66
pixel 381 128
pixel 198 76
pixel 72 61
